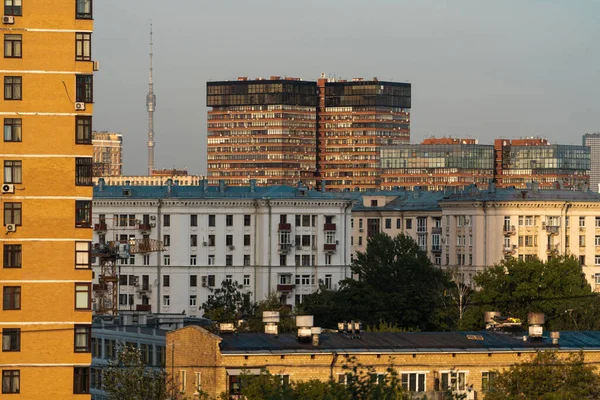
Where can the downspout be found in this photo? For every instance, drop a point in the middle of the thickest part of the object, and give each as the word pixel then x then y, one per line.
pixel 255 241
pixel 348 205
pixel 332 365
pixel 159 254
pixel 269 247
pixel 485 234
pixel 566 230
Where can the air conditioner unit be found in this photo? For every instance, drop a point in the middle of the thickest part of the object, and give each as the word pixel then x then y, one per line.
pixel 360 229
pixel 231 247
pixel 204 244
pixel 152 224
pixel 8 188
pixel 96 65
pixel 11 227
pixel 79 106
pixel 153 217
pixel 8 19
pixel 299 247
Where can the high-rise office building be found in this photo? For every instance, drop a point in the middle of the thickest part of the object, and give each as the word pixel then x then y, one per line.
pixel 47 198
pixel 108 154
pixel 592 140
pixel 284 130
pixel 262 129
pixel 521 161
pixel 357 119
pixel 437 163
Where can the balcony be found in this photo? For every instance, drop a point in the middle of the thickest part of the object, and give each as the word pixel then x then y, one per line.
pixel 436 230
pixel 100 227
pixel 285 227
pixel 436 249
pixel 552 250
pixel 285 287
pixel 330 247
pixel 509 230
pixel 143 307
pixel 144 227
pixel 552 230
pixel 509 249
pixel 144 289
pixel 285 247
pixel 329 227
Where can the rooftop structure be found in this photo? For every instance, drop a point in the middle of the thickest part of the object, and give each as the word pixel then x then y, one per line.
pixel 592 140
pixel 154 180
pixel 108 154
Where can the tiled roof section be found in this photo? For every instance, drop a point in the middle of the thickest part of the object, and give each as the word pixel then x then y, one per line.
pixel 512 194
pixel 403 342
pixel 421 200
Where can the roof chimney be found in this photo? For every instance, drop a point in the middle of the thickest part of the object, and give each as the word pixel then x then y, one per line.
pixel 304 324
pixel 271 319
pixel 536 320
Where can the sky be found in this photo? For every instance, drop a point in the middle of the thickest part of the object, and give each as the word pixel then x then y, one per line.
pixel 480 69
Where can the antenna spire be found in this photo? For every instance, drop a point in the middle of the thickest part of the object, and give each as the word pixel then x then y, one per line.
pixel 151 105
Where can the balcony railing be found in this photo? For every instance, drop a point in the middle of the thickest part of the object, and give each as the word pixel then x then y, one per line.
pixel 329 247
pixel 144 227
pixel 285 226
pixel 100 227
pixel 285 287
pixel 329 227
pixel 509 230
pixel 436 230
pixel 552 230
pixel 436 249
pixel 285 247
pixel 143 307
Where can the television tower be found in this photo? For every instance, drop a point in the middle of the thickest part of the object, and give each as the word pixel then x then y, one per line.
pixel 151 105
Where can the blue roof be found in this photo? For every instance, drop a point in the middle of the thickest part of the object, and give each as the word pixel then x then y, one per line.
pixel 512 194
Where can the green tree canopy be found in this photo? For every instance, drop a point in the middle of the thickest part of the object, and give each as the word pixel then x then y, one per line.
pixel 547 377
pixel 557 288
pixel 228 303
pixel 396 283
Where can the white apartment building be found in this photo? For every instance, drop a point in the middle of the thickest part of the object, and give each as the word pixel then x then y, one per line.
pixel 269 239
pixel 472 229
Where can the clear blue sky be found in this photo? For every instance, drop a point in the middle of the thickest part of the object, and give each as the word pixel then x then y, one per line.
pixel 478 68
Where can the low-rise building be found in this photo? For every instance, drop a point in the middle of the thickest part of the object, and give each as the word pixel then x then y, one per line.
pixel 427 363
pixel 269 239
pixel 153 180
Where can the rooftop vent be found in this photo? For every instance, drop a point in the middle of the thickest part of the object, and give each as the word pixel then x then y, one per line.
pixel 271 319
pixel 304 324
pixel 536 320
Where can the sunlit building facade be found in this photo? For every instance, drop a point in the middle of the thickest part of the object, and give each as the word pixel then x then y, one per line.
pixel 592 140
pixel 108 154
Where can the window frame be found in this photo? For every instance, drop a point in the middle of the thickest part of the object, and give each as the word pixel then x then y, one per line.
pixel 83 42
pixel 84 88
pixel 87 334
pixel 11 84
pixel 9 127
pixel 13 171
pixel 77 290
pixel 12 42
pixel 83 171
pixel 13 256
pixel 79 251
pixel 84 14
pixel 13 294
pixel 11 374
pixel 12 9
pixel 14 340
pixel 81 380
pixel 83 129
pixel 83 206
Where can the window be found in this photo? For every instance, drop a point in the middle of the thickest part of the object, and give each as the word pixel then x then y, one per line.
pixel 182 380
pixel 11 339
pixel 83 46
pixel 166 300
pixel 487 381
pixel 12 256
pixel 229 220
pixel 282 260
pixel 83 171
pixel 211 280
pixel 246 260
pixel 360 223
pixel 167 240
pixel 198 381
pixel 247 220
pixel 422 241
pixel 581 222
pixel 597 240
pixel 193 240
pixel 193 300
pixel 84 9
pixel 388 223
pixel 211 240
pixel 83 130
pixel 166 280
pixel 328 281
pixel 82 296
pixel 246 280
pixel 454 381
pixel 413 382
pixel 83 213
pixel 167 259
pixel 11 299
pixel 597 259
pixel 360 241
pixel 13 171
pixel 581 240
pixel 398 223
pixel 211 220
pixel 373 203
pixel 409 223
pixel 211 259
pixel 122 299
pixel 82 255
pixel 228 240
pixel 421 224
pixel 166 220
pixel 146 259
pixel 193 280
pixel 193 220
pixel 11 381
pixel 81 380
pixel 229 260
pixel 13 7
pixel 12 129
pixel 12 46
pixel 246 240
pixel 83 336
pixel 327 259
pixel 84 88
pixel 12 88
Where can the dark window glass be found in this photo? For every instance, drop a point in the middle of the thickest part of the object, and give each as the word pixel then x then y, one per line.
pixel 12 46
pixel 11 339
pixel 83 213
pixel 83 9
pixel 84 88
pixel 81 380
pixel 12 130
pixel 13 7
pixel 11 381
pixel 83 127
pixel 12 213
pixel 12 88
pixel 166 220
pixel 12 256
pixel 83 335
pixel 193 220
pixel 83 171
pixel 11 298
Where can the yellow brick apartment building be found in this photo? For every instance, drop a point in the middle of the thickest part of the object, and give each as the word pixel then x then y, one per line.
pixel 47 72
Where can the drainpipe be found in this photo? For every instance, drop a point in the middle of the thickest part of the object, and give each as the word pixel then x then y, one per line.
pixel 269 247
pixel 348 205
pixel 485 234
pixel 255 240
pixel 332 365
pixel 159 254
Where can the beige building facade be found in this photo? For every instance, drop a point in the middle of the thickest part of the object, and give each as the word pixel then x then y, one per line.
pixel 108 153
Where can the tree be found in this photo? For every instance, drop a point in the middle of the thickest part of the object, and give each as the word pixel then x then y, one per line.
pixel 228 304
pixel 548 376
pixel 556 288
pixel 396 283
pixel 272 303
pixel 458 297
pixel 128 378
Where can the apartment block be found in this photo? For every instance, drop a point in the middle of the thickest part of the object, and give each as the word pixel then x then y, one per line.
pixel 269 239
pixel 437 164
pixel 108 154
pixel 592 140
pixel 427 363
pixel 46 195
